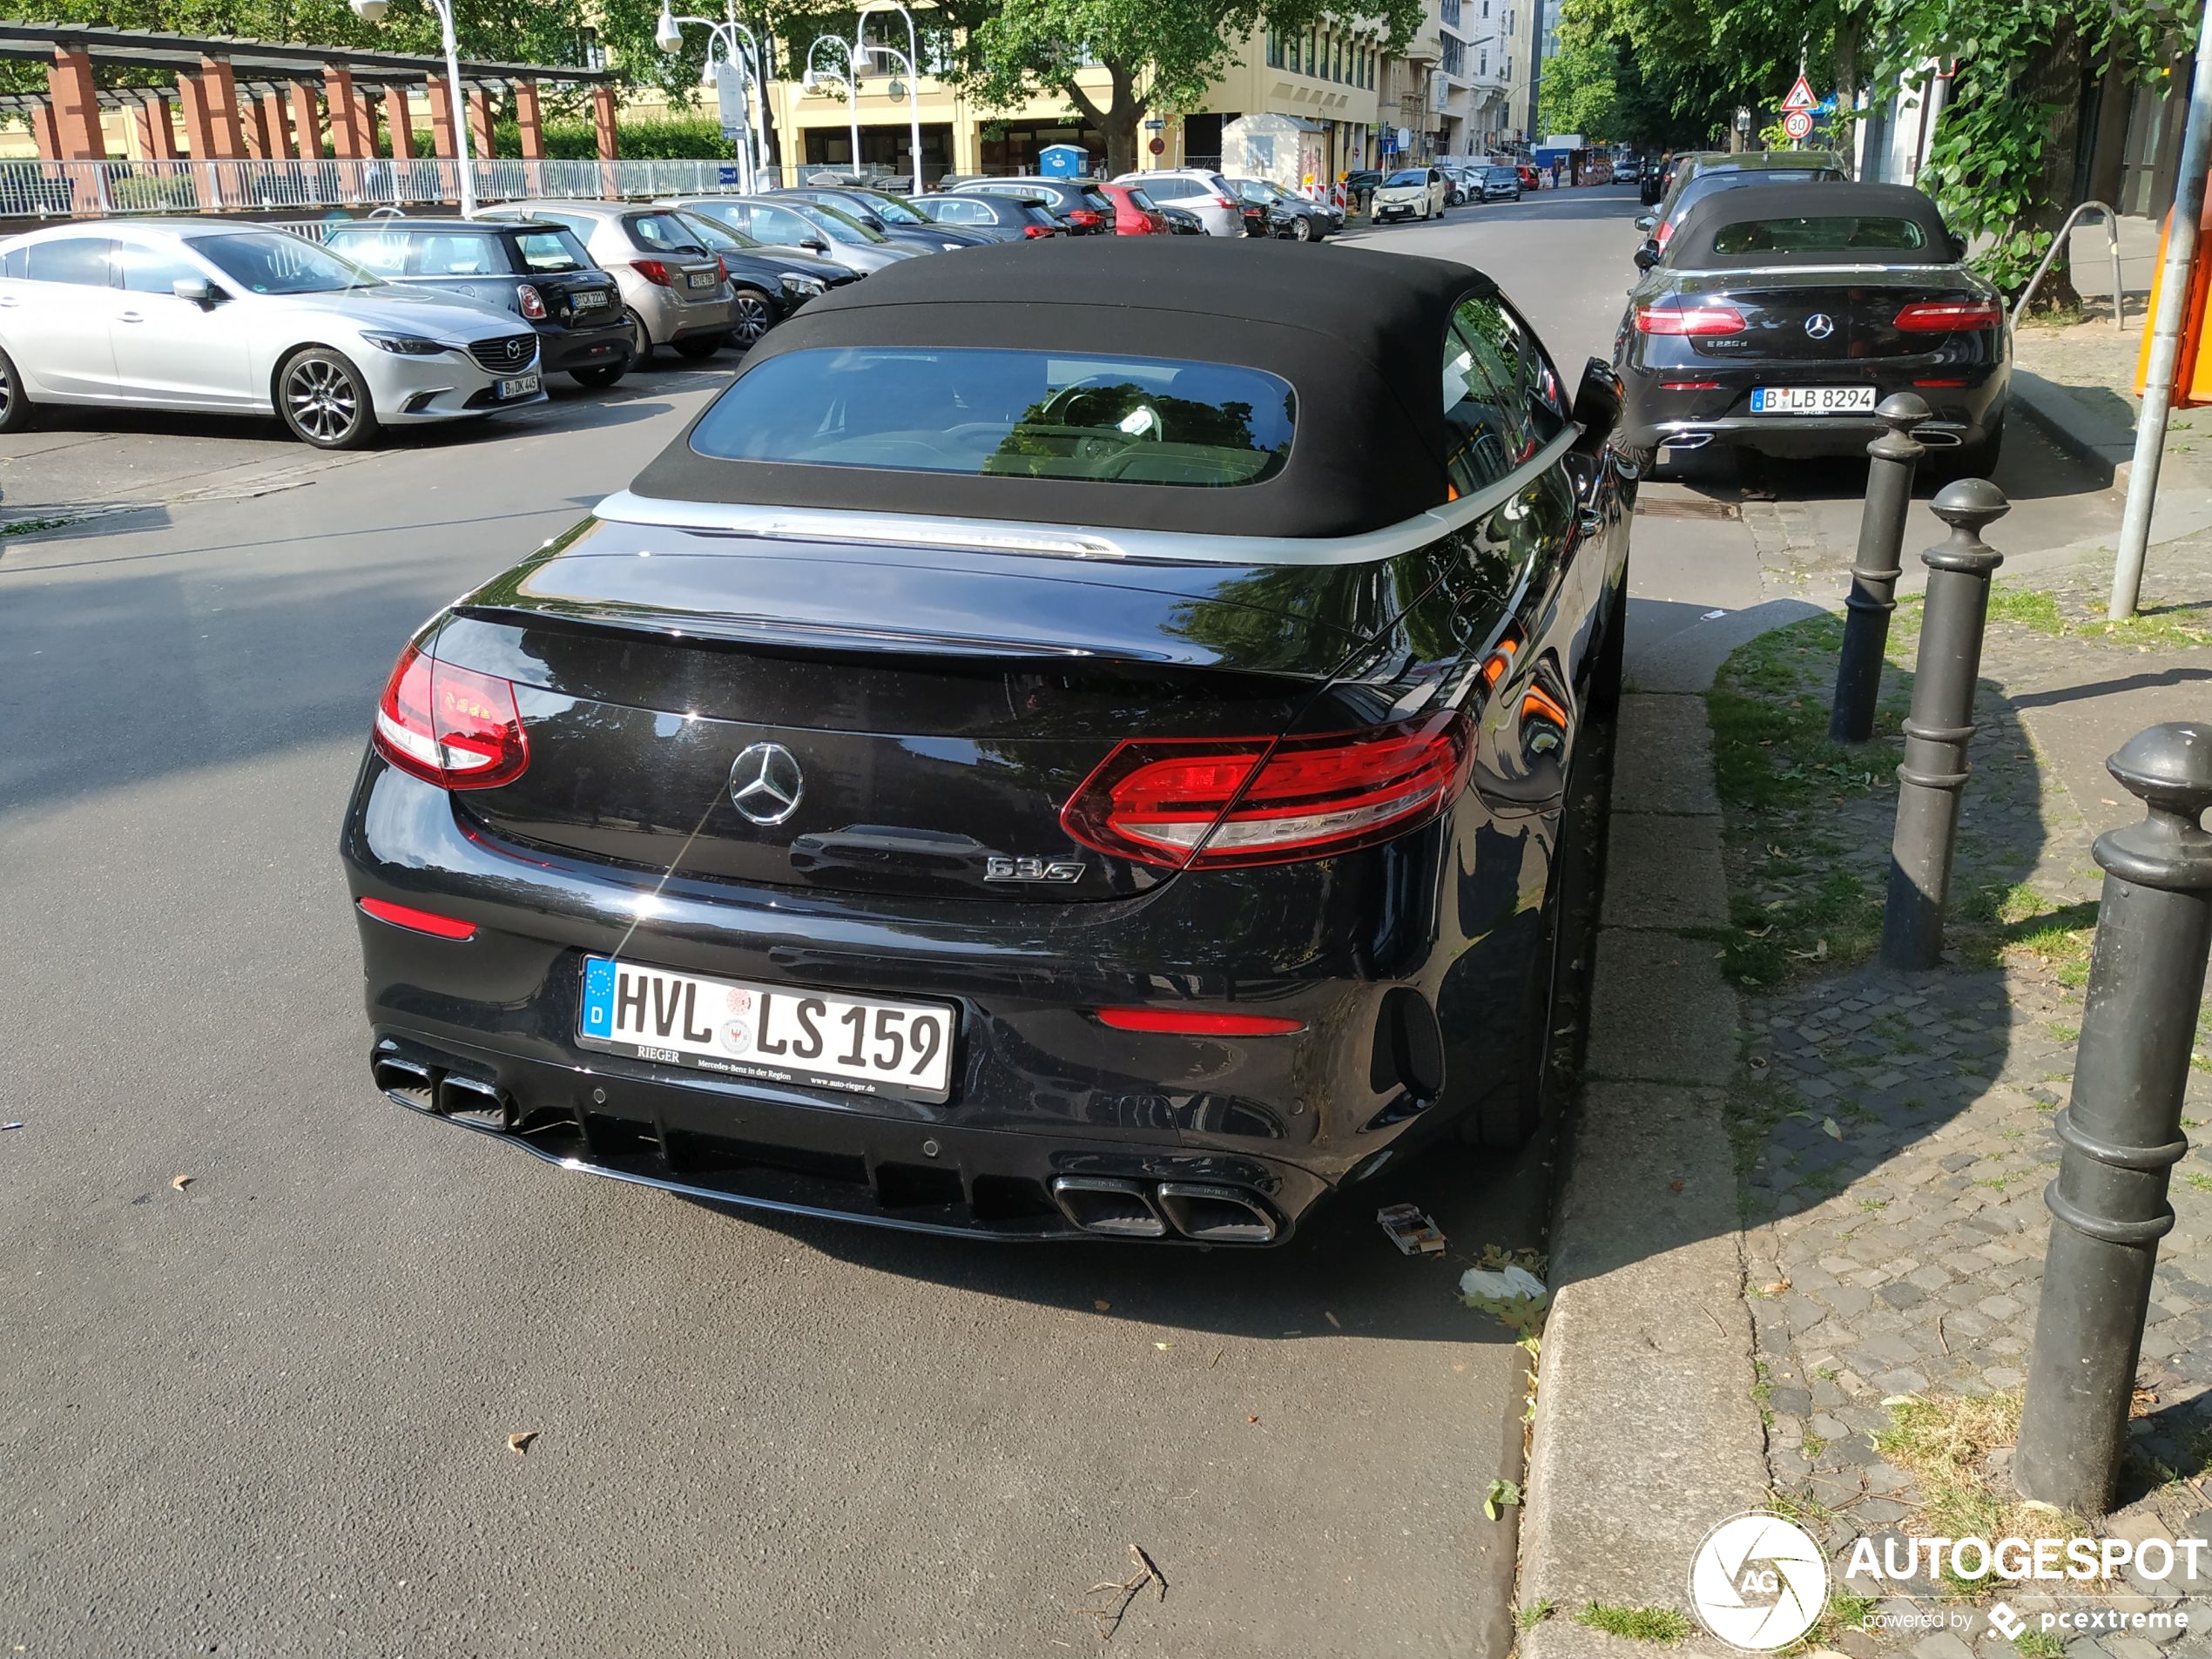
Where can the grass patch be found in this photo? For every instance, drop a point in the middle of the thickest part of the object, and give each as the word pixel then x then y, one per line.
pixel 1664 1625
pixel 2029 607
pixel 2038 1644
pixel 1942 1440
pixel 1995 922
pixel 2196 1181
pixel 1529 1617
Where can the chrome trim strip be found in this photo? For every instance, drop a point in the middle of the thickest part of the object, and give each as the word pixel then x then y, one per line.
pixel 1080 542
pixel 1796 270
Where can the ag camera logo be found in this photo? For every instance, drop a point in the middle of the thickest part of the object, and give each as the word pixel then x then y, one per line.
pixel 1757 1581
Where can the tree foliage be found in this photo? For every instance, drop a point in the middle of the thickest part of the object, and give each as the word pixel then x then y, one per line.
pixel 1157 54
pixel 2002 158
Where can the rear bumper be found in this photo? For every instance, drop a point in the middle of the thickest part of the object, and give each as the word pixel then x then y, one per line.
pixel 1403 1004
pixel 1656 418
pixel 561 350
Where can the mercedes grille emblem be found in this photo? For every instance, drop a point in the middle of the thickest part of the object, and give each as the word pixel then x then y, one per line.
pixel 1820 325
pixel 765 784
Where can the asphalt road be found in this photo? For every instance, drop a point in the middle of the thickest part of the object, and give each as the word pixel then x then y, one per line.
pixel 268 1411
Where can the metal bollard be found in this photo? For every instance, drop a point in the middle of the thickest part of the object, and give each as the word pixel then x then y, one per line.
pixel 1942 721
pixel 2121 1131
pixel 1874 572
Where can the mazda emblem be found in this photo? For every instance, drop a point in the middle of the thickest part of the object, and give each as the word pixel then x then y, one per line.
pixel 765 784
pixel 1820 325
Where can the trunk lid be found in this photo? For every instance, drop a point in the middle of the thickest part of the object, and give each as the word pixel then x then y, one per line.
pixel 897 721
pixel 1783 309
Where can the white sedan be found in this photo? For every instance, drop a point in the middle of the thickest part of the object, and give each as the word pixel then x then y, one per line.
pixel 1412 192
pixel 196 313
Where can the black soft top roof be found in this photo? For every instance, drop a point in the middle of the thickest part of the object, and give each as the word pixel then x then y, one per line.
pixel 1691 248
pixel 1359 335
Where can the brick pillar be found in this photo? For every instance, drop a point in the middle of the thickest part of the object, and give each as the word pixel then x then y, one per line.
pixel 200 116
pixel 398 122
pixel 43 132
pixel 75 105
pixel 221 93
pixel 603 117
pixel 156 132
pixel 530 119
pixel 276 122
pixel 479 145
pixel 254 124
pixel 306 122
pixel 344 103
pixel 442 137
pixel 366 115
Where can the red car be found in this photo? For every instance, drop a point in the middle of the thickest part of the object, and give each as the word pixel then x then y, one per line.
pixel 1134 212
pixel 1530 180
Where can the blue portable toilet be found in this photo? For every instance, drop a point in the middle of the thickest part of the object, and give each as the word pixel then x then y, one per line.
pixel 1063 161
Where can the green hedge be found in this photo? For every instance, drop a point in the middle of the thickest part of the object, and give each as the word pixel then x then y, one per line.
pixel 696 138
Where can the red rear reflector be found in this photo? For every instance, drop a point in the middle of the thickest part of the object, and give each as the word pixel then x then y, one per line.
pixel 451 725
pixel 1689 386
pixel 1688 320
pixel 1942 317
pixel 1199 1025
pixel 422 921
pixel 653 271
pixel 1938 382
pixel 1209 803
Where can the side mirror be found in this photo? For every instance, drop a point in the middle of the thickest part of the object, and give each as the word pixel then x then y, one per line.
pixel 1598 401
pixel 1647 256
pixel 816 244
pixel 198 290
pixel 1647 221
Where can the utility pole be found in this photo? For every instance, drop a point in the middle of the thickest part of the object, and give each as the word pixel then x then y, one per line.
pixel 2166 334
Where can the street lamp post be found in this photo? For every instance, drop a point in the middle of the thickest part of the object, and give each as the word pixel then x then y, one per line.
pixel 914 77
pixel 849 78
pixel 741 47
pixel 372 11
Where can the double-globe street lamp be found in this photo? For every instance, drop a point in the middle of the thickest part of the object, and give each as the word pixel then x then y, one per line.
pixel 748 55
pixel 912 61
pixel 372 11
pixel 849 77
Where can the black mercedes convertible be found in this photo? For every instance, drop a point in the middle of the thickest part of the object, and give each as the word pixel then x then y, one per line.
pixel 1061 746
pixel 1779 315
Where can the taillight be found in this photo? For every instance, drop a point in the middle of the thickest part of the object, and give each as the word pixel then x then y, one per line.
pixel 1688 320
pixel 450 725
pixel 1665 231
pixel 1257 801
pixel 654 271
pixel 1084 217
pixel 531 301
pixel 1036 230
pixel 1179 1022
pixel 1223 201
pixel 722 266
pixel 1942 316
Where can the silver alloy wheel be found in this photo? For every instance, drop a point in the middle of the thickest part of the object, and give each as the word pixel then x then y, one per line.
pixel 7 389
pixel 754 318
pixel 1302 229
pixel 320 399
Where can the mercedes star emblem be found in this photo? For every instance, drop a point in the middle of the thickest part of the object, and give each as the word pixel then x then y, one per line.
pixel 1820 325
pixel 765 784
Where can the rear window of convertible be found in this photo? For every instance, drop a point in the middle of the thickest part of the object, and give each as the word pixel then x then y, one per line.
pixel 1010 414
pixel 1837 234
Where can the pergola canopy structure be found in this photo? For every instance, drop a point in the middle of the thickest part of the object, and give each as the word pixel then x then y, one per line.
pixel 262 99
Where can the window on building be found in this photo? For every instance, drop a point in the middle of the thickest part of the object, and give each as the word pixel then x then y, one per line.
pixel 1312 40
pixel 1274 50
pixel 590 54
pixel 1336 59
pixel 1486 60
pixel 1449 9
pixel 1453 60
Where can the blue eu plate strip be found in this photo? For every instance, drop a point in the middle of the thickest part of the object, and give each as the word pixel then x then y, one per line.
pixel 598 997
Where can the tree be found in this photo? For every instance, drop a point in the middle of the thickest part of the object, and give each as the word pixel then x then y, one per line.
pixel 1156 54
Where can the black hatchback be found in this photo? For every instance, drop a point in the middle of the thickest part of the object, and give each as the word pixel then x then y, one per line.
pixel 539 271
pixel 1061 747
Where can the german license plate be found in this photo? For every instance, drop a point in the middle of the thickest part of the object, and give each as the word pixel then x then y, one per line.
pixel 701 280
pixel 520 386
pixel 1813 400
pixel 775 1033
pixel 589 300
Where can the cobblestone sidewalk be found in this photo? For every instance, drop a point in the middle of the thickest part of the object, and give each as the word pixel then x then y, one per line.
pixel 1894 1131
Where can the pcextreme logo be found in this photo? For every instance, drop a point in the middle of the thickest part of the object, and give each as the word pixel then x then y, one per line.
pixel 1758 1581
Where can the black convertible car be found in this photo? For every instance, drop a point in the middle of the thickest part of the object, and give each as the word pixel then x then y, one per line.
pixel 1780 315
pixel 1060 746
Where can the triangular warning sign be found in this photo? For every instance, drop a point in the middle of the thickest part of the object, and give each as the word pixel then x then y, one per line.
pixel 1800 97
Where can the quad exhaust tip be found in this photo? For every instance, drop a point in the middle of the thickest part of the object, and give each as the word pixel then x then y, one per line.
pixel 1205 1214
pixel 444 1094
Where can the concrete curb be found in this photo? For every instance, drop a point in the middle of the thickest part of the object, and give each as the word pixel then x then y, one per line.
pixel 2091 436
pixel 1646 1432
